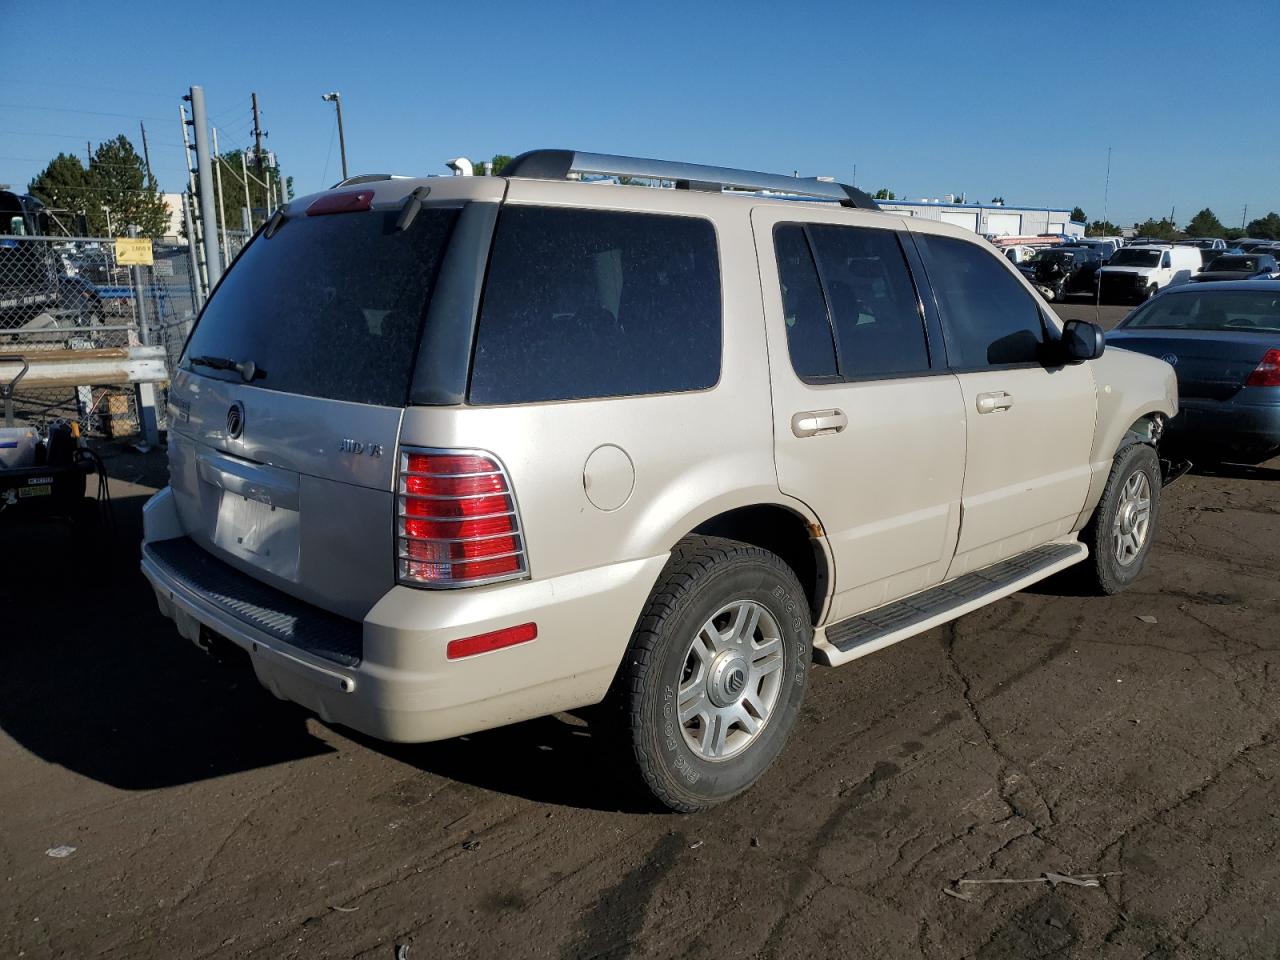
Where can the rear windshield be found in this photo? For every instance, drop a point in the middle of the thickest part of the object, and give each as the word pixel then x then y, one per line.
pixel 1129 257
pixel 1250 311
pixel 1235 263
pixel 331 306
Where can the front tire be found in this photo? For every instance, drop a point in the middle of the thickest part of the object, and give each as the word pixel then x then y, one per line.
pixel 1151 291
pixel 713 679
pixel 1121 531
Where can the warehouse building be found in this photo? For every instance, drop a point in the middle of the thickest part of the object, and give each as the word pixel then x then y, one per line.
pixel 991 219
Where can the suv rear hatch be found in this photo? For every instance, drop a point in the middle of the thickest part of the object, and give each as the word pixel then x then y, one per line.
pixel 285 413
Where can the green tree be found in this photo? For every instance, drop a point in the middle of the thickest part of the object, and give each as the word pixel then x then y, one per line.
pixel 999 200
pixel 1078 215
pixel 1265 228
pixel 1233 233
pixel 1205 224
pixel 1163 229
pixel 884 194
pixel 1102 228
pixel 499 161
pixel 129 194
pixel 64 185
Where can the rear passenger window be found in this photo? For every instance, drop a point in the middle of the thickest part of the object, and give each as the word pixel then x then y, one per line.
pixel 854 312
pixel 596 303
pixel 990 319
pixel 879 329
pixel 804 309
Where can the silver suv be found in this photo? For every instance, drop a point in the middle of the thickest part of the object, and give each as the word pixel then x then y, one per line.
pixel 451 453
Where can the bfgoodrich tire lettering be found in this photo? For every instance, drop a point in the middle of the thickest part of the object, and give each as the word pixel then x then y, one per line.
pixel 708 581
pixel 1123 527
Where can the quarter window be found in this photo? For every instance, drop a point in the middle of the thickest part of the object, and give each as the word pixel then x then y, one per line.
pixel 990 319
pixel 595 303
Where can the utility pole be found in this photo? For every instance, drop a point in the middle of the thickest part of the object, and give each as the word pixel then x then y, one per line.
pixel 204 176
pixel 88 152
pixel 1244 216
pixel 146 153
pixel 198 267
pixel 336 99
pixel 257 141
pixel 1106 189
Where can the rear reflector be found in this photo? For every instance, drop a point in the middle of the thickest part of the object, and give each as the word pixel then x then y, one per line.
pixel 349 201
pixel 1266 373
pixel 456 521
pixel 487 642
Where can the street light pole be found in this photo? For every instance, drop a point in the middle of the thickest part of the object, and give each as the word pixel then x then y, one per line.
pixel 336 99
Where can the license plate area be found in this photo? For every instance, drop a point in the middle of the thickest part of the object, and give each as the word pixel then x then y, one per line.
pixel 38 490
pixel 263 534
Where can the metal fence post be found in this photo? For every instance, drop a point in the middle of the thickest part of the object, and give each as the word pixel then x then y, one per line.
pixel 144 393
pixel 208 214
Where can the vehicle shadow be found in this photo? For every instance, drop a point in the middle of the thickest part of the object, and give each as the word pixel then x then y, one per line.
pixel 1236 471
pixel 571 760
pixel 93 679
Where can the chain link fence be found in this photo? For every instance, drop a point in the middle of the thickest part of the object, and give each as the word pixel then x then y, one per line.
pixel 71 294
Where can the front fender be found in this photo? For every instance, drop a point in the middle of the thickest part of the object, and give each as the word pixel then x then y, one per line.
pixel 1130 386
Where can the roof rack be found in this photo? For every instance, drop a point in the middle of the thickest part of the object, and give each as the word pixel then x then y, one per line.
pixel 560 164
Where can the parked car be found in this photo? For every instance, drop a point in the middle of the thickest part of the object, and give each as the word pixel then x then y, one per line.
pixel 1247 245
pixel 1140 272
pixel 1019 253
pixel 1239 266
pixel 452 453
pixel 1061 271
pixel 1204 243
pixel 1105 246
pixel 1223 340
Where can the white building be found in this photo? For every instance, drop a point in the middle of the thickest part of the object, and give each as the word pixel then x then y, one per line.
pixel 991 219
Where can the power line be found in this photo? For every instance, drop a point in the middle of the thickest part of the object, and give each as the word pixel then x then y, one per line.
pixel 94 113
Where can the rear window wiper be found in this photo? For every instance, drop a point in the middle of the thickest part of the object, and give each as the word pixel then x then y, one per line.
pixel 247 369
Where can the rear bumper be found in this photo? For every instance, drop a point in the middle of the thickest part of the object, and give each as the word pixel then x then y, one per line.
pixel 1236 429
pixel 402 687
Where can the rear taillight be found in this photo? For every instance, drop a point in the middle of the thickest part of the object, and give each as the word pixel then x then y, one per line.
pixel 456 520
pixel 1266 373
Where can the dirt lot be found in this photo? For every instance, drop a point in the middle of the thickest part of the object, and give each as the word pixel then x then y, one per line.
pixel 1049 732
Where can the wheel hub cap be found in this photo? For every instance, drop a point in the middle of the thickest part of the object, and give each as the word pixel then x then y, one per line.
pixel 730 680
pixel 1132 525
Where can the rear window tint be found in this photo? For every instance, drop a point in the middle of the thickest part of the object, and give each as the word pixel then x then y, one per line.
pixel 331 306
pixel 873 301
pixel 595 303
pixel 809 341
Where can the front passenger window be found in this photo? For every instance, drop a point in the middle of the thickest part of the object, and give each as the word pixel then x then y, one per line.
pixel 989 317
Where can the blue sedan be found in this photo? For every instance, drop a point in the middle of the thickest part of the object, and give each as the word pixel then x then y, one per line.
pixel 1223 340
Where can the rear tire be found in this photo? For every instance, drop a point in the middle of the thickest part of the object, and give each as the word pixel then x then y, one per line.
pixel 1151 291
pixel 1120 532
pixel 713 679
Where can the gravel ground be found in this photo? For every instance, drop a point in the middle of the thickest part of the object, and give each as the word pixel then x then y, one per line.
pixel 1049 732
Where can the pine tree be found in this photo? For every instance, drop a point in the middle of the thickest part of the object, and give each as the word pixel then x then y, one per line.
pixel 130 195
pixel 65 187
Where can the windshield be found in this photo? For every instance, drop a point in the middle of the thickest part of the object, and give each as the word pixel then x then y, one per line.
pixel 1248 310
pixel 1134 257
pixel 1235 263
pixel 330 306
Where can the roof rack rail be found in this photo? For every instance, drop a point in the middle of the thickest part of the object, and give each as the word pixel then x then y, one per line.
pixel 559 164
pixel 363 178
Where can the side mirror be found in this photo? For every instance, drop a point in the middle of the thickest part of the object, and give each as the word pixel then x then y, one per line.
pixel 1081 341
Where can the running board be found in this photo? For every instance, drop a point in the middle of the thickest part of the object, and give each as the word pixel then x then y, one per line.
pixel 878 628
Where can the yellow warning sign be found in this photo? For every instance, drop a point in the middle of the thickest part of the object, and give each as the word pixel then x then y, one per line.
pixel 133 252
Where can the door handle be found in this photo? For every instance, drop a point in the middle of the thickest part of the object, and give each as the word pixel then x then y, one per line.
pixel 814 423
pixel 994 402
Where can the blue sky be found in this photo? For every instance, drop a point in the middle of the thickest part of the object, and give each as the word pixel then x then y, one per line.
pixel 1017 99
